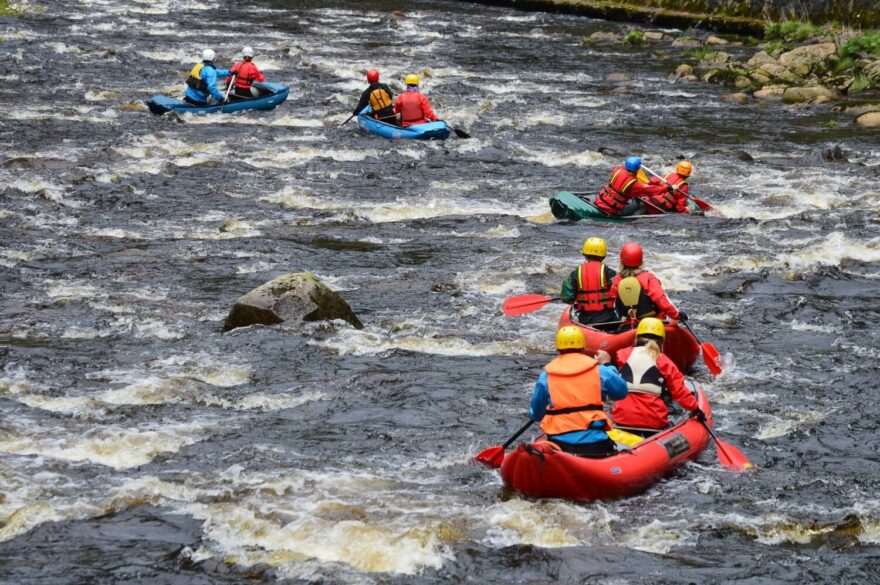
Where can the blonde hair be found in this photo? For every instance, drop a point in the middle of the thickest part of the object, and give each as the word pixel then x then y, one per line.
pixel 626 271
pixel 654 347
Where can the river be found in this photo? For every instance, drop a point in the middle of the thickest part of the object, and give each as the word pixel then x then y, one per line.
pixel 138 443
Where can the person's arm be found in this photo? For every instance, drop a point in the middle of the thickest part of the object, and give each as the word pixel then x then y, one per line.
pixel 388 89
pixel 209 76
pixel 613 384
pixel 258 75
pixel 681 200
pixel 655 291
pixel 675 383
pixel 398 103
pixel 641 190
pixel 614 284
pixel 540 398
pixel 365 97
pixel 610 273
pixel 569 288
pixel 427 112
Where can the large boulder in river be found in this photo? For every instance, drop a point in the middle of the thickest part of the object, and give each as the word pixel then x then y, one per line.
pixel 804 60
pixel 290 297
pixel 869 120
pixel 796 95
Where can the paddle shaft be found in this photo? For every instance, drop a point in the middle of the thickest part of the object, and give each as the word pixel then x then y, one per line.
pixel 229 87
pixel 600 210
pixel 524 428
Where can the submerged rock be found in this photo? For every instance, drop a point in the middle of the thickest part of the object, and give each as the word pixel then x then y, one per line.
pixel 735 98
pixel 770 92
pixel 290 297
pixel 795 95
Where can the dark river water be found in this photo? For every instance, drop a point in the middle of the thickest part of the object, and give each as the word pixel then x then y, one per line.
pixel 140 444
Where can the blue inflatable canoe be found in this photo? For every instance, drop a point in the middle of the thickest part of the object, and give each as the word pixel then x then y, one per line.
pixel 277 93
pixel 438 130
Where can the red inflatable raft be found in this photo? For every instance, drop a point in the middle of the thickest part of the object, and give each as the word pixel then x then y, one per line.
pixel 680 345
pixel 541 470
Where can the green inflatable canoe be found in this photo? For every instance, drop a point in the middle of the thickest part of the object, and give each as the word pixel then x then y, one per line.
pixel 567 205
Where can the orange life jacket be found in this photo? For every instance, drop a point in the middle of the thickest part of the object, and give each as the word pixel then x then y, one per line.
pixel 613 194
pixel 245 74
pixel 410 107
pixel 575 389
pixel 379 100
pixel 592 292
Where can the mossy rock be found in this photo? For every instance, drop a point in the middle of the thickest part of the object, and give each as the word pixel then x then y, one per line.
pixel 293 298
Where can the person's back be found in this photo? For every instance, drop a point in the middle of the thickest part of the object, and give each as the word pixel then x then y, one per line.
pixel 246 73
pixel 202 81
pixel 379 97
pixel 623 192
pixel 675 199
pixel 588 288
pixel 653 382
pixel 639 293
pixel 413 106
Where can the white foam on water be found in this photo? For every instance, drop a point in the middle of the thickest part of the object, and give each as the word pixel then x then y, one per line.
pixel 25 519
pixel 659 537
pixel 115 233
pixel 831 250
pixel 300 155
pixel 792 419
pixel 546 524
pixel 550 158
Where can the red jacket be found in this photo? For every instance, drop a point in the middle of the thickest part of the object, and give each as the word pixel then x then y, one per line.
pixel 652 288
pixel 415 108
pixel 676 202
pixel 245 74
pixel 645 410
pixel 621 187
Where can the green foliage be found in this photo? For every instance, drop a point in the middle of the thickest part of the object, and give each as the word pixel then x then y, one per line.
pixel 830 124
pixel 866 43
pixel 844 64
pixel 698 53
pixel 634 37
pixel 793 31
pixel 5 9
pixel 860 83
pixel 775 46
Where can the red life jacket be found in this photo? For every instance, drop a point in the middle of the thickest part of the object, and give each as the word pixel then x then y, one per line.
pixel 575 389
pixel 592 293
pixel 245 74
pixel 612 198
pixel 410 105
pixel 667 201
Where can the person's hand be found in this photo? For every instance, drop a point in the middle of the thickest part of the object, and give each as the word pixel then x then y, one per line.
pixel 699 415
pixel 682 316
pixel 603 357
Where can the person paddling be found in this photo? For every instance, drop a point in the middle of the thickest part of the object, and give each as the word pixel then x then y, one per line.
pixel 653 381
pixel 588 288
pixel 413 106
pixel 202 81
pixel 380 98
pixel 623 193
pixel 246 73
pixel 639 293
pixel 569 397
pixel 675 199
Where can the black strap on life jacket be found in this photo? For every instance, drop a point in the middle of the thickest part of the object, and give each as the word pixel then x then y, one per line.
pixel 572 409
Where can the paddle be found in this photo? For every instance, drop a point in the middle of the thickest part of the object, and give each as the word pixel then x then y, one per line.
pixel 523 304
pixel 460 133
pixel 494 456
pixel 728 455
pixel 711 356
pixel 700 203
pixel 347 120
pixel 229 87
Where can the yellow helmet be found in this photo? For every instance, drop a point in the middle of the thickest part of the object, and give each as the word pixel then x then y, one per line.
pixel 594 247
pixel 684 168
pixel 570 337
pixel 651 326
pixel 411 79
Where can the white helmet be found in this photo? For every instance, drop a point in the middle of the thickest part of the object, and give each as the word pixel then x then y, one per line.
pixel 208 55
pixel 247 52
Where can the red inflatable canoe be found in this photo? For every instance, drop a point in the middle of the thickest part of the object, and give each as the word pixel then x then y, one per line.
pixel 680 345
pixel 541 470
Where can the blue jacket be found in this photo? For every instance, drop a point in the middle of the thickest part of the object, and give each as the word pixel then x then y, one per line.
pixel 613 387
pixel 209 75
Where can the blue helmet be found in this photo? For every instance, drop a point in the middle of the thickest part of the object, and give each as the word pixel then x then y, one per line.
pixel 632 164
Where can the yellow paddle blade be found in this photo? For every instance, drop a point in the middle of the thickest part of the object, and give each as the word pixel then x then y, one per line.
pixel 624 438
pixel 642 177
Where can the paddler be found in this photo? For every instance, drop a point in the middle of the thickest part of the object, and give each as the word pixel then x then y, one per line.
pixel 637 292
pixel 380 97
pixel 623 193
pixel 653 381
pixel 202 82
pixel 570 394
pixel 676 183
pixel 413 106
pixel 588 288
pixel 246 73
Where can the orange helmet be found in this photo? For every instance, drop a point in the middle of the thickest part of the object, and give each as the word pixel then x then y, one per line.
pixel 631 255
pixel 684 168
pixel 373 75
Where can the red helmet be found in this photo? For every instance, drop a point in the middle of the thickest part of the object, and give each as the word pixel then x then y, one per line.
pixel 373 75
pixel 631 255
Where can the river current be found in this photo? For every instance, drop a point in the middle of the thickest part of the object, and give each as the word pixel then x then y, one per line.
pixel 138 443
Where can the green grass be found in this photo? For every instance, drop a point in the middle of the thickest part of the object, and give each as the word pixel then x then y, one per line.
pixel 6 10
pixel 698 53
pixel 865 43
pixel 860 83
pixel 793 31
pixel 830 124
pixel 634 37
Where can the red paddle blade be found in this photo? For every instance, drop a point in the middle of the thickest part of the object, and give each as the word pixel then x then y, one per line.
pixel 492 457
pixel 713 359
pixel 731 457
pixel 701 204
pixel 524 304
